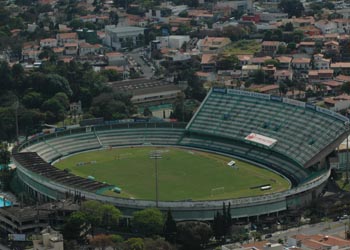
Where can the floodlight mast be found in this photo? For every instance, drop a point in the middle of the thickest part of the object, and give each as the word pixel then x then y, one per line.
pixel 156 155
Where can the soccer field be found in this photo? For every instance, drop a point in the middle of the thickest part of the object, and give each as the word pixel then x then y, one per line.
pixel 183 174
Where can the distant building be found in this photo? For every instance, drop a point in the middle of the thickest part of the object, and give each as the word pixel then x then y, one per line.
pixel 63 38
pixel 213 44
pixel 75 108
pixel 172 42
pixel 48 240
pixel 318 241
pixel 116 37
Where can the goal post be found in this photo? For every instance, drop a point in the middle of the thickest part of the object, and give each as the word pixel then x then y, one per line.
pixel 216 191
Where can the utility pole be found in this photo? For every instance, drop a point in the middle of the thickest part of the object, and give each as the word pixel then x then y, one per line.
pixel 156 155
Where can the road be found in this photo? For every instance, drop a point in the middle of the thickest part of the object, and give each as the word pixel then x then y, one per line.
pixel 326 228
pixel 136 55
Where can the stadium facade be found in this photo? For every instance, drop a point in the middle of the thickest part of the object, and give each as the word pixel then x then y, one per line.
pixel 290 137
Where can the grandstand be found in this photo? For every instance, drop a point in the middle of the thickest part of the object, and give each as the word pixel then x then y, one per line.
pixel 290 137
pixel 304 132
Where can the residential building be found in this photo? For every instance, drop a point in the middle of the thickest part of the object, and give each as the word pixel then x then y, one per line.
pixel 48 43
pixel 208 62
pixel 213 44
pixel 269 48
pixel 71 49
pixel 283 75
pixel 320 75
pixel 316 242
pixel 326 26
pixel 63 38
pixel 249 70
pixel 89 49
pixel 116 59
pixel 301 63
pixel 173 42
pixel 320 62
pixel 306 47
pixel 284 62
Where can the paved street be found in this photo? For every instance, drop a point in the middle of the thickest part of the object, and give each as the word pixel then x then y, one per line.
pixel 136 55
pixel 326 228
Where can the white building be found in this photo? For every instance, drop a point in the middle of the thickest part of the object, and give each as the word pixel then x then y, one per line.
pixel 172 42
pixel 116 36
pixel 48 240
pixel 48 42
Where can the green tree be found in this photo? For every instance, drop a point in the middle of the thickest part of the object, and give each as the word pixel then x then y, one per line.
pixel 346 87
pixel 148 222
pixel 292 7
pixel 227 62
pixel 75 227
pixel 170 228
pixel 289 27
pixel 135 244
pixel 193 234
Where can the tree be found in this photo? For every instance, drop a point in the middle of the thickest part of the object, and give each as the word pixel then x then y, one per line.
pixel 170 228
pixel 101 241
pixel 346 87
pixel 259 77
pixel 289 27
pixel 110 215
pixel 148 222
pixel 75 227
pixel 193 234
pixel 227 62
pixel 157 244
pixel 292 7
pixel 218 226
pixel 135 244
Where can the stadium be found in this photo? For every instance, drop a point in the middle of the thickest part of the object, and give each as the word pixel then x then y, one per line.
pixel 290 139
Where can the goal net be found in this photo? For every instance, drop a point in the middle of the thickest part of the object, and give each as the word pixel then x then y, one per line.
pixel 218 190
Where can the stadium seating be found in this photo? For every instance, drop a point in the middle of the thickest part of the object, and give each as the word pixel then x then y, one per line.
pixel 300 132
pixel 123 137
pixel 33 162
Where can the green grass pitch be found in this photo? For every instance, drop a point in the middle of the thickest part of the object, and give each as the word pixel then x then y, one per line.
pixel 183 174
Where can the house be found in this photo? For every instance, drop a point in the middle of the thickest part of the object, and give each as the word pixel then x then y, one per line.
pixel 244 59
pixel 300 21
pixel 343 67
pixel 31 55
pixel 320 62
pixel 326 26
pixel 205 76
pixel 338 103
pixel 48 43
pixel 301 63
pixel 331 48
pixel 343 25
pixel 177 56
pixel 119 37
pixel 284 62
pixel 260 60
pixel 208 62
pixel 213 44
pixel 173 42
pixel 249 70
pixel 89 49
pixel 272 89
pixel 318 241
pixel 333 87
pixel 269 48
pixel 71 49
pixel 283 75
pixel 116 59
pixel 306 47
pixel 320 75
pixel 63 38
